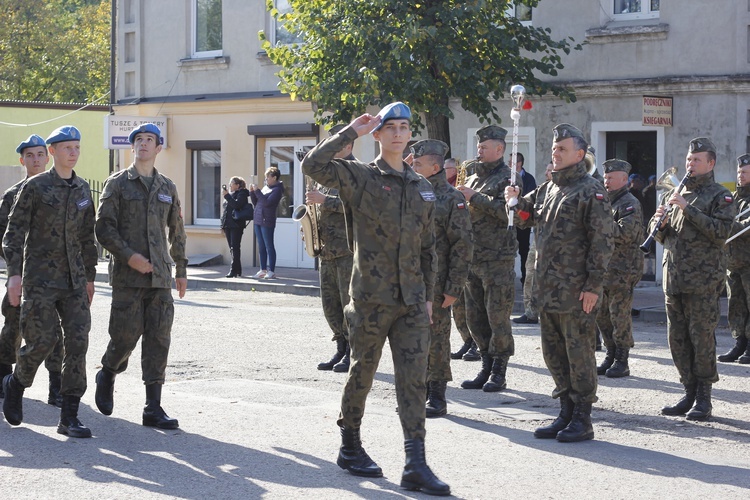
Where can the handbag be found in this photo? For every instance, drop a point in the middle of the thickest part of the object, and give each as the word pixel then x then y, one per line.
pixel 244 214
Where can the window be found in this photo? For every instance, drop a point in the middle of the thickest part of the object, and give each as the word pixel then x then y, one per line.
pixel 520 12
pixel 279 35
pixel 207 28
pixel 635 9
pixel 207 184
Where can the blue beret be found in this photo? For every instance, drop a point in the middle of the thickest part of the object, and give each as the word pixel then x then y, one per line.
pixel 145 128
pixel 33 141
pixel 395 110
pixel 64 133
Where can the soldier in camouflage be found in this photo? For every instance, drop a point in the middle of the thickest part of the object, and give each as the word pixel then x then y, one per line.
pixel 335 262
pixel 50 239
pixel 625 270
pixel 738 271
pixel 468 351
pixel 489 292
pixel 454 247
pixel 695 263
pixel 573 220
pixel 393 275
pixel 34 158
pixel 139 222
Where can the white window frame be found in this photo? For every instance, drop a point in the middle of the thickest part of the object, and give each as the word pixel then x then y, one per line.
pixel 526 146
pixel 511 12
pixel 214 195
pixel 195 53
pixel 645 13
pixel 273 27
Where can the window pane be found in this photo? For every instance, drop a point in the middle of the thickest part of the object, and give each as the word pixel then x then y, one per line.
pixel 523 12
pixel 282 157
pixel 627 6
pixel 283 37
pixel 207 175
pixel 654 5
pixel 207 25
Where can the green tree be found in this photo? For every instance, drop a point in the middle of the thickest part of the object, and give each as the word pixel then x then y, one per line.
pixel 423 52
pixel 54 50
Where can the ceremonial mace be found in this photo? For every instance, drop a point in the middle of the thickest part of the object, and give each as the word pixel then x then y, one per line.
pixel 518 94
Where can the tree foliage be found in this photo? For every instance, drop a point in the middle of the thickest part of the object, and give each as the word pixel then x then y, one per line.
pixel 54 50
pixel 424 52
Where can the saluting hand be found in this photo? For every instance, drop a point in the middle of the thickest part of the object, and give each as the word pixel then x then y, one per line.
pixel 140 263
pixel 365 124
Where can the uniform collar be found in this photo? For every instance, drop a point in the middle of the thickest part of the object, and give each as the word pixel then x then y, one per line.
pixel 409 175
pixel 696 181
pixel 569 175
pixel 484 169
pixel 618 193
pixel 743 191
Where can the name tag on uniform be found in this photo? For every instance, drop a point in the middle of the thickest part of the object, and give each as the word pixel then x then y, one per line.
pixel 83 203
pixel 165 198
pixel 427 195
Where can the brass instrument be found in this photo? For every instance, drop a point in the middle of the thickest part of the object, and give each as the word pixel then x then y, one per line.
pixel 667 181
pixel 461 175
pixel 736 219
pixel 307 216
pixel 590 161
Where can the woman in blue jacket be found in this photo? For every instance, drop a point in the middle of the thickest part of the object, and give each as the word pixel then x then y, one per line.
pixel 266 201
pixel 236 198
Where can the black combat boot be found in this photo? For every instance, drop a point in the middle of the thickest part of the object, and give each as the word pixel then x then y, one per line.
pixel 354 458
pixel 340 351
pixel 54 397
pixel 153 414
pixel 464 348
pixel 702 408
pixel 740 344
pixel 683 405
pixel 13 402
pixel 436 405
pixel 561 422
pixel 482 376
pixel 620 368
pixel 343 365
pixel 105 391
pixel 496 381
pixel 609 359
pixel 417 475
pixel 69 423
pixel 579 428
pixel 5 370
pixel 472 354
pixel 745 358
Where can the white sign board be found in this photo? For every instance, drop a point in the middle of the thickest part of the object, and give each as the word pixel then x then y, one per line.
pixel 118 127
pixel 657 111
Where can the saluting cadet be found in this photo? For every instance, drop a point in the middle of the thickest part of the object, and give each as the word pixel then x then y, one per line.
pixel 624 272
pixel 139 222
pixel 335 262
pixel 51 253
pixel 34 158
pixel 453 245
pixel 573 220
pixel 489 291
pixel 392 284
pixel 738 272
pixel 693 235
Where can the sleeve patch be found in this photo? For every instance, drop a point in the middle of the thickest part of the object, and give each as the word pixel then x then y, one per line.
pixel 599 196
pixel 629 208
pixel 461 206
pixel 728 199
pixel 523 214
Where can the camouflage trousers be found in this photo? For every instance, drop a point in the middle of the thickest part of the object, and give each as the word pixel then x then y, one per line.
pixel 459 317
pixel 10 339
pixel 335 275
pixel 691 327
pixel 568 347
pixel 614 318
pixel 529 302
pixel 43 311
pixel 439 361
pixel 136 313
pixel 738 294
pixel 489 295
pixel 407 329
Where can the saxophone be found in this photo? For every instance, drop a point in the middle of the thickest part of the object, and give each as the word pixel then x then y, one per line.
pixel 461 175
pixel 307 216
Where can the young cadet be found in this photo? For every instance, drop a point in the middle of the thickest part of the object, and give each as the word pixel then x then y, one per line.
pixel 392 286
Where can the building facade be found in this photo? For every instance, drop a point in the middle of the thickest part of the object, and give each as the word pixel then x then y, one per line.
pixel 649 78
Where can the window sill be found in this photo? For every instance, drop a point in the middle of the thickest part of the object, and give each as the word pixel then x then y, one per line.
pixel 632 31
pixel 204 63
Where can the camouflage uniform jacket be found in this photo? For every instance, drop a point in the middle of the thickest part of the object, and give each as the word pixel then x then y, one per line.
pixel 574 237
pixel 131 219
pixel 453 237
pixel 332 225
pixel 392 223
pixel 50 235
pixel 9 196
pixel 694 258
pixel 626 264
pixel 739 249
pixel 489 220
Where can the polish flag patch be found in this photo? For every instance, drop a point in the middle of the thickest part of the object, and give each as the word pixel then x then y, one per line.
pixel 461 206
pixel 599 196
pixel 728 199
pixel 629 209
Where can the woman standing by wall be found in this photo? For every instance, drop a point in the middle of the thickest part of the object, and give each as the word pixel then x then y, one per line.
pixel 266 201
pixel 235 199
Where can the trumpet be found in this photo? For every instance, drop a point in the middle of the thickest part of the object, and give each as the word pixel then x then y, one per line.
pixel 666 181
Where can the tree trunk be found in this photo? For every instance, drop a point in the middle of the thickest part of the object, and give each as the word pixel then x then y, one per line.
pixel 438 127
